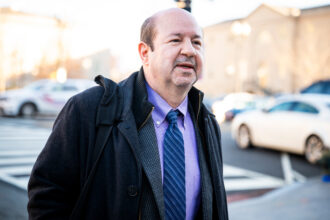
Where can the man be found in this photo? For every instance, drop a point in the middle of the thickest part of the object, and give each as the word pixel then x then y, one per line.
pixel 163 157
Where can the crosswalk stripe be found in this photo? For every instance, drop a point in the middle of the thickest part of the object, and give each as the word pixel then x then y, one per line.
pixel 14 181
pixel 23 138
pixel 24 181
pixel 8 153
pixel 14 161
pixel 19 148
pixel 18 129
pixel 17 170
pixel 252 183
pixel 254 180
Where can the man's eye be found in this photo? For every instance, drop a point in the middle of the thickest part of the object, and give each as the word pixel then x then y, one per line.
pixel 197 43
pixel 175 40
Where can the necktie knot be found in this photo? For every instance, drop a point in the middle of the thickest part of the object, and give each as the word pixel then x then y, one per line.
pixel 172 116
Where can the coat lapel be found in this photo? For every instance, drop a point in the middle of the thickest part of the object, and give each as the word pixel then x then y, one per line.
pixel 149 156
pixel 144 145
pixel 142 136
pixel 206 183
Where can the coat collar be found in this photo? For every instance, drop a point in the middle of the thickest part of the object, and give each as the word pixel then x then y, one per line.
pixel 138 98
pixel 141 107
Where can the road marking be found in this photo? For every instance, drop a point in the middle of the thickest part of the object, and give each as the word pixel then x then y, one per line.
pixel 290 175
pixel 10 153
pixel 249 180
pixel 33 148
pixel 287 169
pixel 17 158
pixel 17 170
pixel 299 177
pixel 23 138
pixel 14 181
pixel 14 161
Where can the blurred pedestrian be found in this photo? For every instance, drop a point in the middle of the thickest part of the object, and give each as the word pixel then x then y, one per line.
pixel 162 151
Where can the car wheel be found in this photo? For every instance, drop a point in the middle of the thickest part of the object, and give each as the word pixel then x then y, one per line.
pixel 314 149
pixel 244 137
pixel 28 110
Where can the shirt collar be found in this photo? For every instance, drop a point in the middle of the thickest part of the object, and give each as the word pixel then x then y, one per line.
pixel 162 107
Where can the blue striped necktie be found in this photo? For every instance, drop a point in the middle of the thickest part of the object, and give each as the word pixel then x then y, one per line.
pixel 174 170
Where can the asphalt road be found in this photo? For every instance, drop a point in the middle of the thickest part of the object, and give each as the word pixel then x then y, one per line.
pixel 13 202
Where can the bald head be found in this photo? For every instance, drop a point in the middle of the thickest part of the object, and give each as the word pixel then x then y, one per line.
pixel 172 53
pixel 149 29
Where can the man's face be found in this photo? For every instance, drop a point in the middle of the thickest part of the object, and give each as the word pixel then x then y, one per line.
pixel 177 58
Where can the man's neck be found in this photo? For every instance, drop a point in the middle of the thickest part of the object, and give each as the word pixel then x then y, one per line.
pixel 173 96
pixel 173 100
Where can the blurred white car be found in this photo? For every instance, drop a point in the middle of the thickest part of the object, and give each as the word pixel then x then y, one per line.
pixel 42 97
pixel 232 101
pixel 299 124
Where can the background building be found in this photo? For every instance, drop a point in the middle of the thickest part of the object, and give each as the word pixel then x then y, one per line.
pixel 272 50
pixel 28 44
pixel 34 46
pixel 100 62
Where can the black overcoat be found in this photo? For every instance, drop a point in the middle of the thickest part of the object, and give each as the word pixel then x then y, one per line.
pixel 65 162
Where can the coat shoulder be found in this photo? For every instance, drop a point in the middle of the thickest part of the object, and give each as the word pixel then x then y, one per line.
pixel 90 97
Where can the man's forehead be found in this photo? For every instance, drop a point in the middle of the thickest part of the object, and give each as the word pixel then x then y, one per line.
pixel 193 35
pixel 177 25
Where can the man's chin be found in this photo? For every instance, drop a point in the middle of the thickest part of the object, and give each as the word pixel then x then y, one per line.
pixel 185 82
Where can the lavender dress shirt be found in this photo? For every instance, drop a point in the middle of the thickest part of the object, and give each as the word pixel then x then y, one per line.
pixel 185 124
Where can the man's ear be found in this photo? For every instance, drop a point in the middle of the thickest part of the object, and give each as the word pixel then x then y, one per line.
pixel 143 52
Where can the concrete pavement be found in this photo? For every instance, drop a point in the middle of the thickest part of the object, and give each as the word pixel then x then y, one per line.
pixel 13 201
pixel 299 201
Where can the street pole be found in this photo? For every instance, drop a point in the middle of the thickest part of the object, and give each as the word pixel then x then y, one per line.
pixel 184 4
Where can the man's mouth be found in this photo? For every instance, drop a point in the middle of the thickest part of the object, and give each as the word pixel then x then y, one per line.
pixel 186 65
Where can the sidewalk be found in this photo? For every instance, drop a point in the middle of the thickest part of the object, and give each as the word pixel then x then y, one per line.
pixel 13 201
pixel 301 201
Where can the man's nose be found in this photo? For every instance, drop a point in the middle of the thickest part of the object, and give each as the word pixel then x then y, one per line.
pixel 188 48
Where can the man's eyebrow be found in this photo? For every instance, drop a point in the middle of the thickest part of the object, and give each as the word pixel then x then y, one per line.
pixel 180 35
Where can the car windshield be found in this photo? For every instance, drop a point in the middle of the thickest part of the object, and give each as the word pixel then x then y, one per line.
pixel 319 87
pixel 38 85
pixel 59 87
pixel 286 106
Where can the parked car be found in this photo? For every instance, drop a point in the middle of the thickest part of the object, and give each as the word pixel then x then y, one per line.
pixel 231 101
pixel 297 123
pixel 319 87
pixel 42 97
pixel 255 103
pixel 208 102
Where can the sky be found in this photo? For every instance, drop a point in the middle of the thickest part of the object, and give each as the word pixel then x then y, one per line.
pixel 115 24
